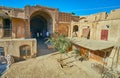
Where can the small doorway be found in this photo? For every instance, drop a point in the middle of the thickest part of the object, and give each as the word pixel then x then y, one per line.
pixel 75 30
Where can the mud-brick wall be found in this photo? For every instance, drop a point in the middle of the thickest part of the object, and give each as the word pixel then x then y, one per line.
pixel 63 28
pixel 18 28
pixel 12 47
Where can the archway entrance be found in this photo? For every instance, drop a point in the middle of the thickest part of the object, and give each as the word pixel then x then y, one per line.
pixel 40 25
pixel 41 28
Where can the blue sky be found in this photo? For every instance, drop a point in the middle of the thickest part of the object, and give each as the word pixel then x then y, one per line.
pixel 79 7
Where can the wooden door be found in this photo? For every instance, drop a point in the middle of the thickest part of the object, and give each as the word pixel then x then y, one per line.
pixel 104 35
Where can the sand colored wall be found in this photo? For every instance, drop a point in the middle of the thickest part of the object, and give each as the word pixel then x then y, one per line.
pixel 18 28
pixel 113 30
pixel 11 47
pixel 98 22
pixel 114 14
pixel 81 26
pixel 63 28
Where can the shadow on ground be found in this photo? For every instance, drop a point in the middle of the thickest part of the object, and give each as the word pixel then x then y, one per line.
pixel 42 48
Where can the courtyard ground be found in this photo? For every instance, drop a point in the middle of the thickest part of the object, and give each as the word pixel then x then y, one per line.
pixel 47 66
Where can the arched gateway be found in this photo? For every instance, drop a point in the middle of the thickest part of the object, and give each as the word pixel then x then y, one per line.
pixel 40 24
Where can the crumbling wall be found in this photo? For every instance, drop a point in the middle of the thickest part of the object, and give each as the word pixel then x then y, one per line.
pixel 114 14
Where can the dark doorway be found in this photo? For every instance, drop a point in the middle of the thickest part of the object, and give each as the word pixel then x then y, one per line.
pixel 75 28
pixel 40 27
pixel 40 24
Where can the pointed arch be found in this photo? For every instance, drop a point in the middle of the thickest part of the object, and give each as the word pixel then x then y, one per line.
pixel 40 23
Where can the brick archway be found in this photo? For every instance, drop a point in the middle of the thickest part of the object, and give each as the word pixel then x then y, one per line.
pixel 40 24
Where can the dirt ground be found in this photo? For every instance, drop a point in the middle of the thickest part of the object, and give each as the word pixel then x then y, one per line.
pixel 47 66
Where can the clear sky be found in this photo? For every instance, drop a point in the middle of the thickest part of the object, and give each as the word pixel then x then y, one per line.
pixel 79 7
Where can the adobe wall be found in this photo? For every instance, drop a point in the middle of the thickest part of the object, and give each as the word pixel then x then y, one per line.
pixel 11 47
pixel 64 24
pixel 63 28
pixel 18 28
pixel 113 30
pixel 98 22
pixel 114 14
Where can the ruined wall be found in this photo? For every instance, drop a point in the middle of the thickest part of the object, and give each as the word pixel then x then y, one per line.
pixel 12 47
